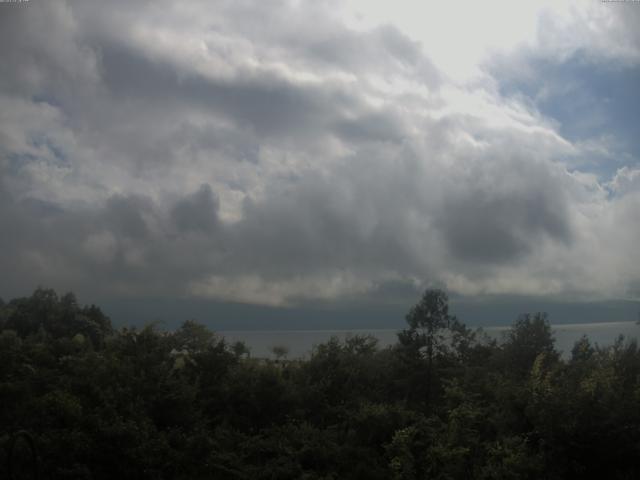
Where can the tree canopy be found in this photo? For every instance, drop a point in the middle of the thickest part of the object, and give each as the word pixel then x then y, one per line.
pixel 443 403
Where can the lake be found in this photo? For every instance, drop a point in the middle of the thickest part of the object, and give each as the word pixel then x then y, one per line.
pixel 301 342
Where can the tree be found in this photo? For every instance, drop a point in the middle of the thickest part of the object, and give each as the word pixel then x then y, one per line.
pixel 60 317
pixel 426 337
pixel 240 349
pixel 427 321
pixel 280 351
pixel 193 337
pixel 530 336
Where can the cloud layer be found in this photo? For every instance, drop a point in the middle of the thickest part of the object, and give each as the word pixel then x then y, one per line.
pixel 273 153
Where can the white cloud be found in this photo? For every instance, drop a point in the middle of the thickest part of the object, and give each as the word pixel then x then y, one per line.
pixel 626 180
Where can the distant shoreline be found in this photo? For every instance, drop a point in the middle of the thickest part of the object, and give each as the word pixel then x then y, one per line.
pixel 364 330
pixel 300 343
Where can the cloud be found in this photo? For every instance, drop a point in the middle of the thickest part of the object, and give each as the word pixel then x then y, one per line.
pixel 197 212
pixel 626 180
pixel 273 154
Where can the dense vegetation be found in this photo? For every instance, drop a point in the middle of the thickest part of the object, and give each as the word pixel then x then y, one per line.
pixel 443 403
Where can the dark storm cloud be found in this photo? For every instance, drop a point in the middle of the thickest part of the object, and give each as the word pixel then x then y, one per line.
pixel 379 127
pixel 490 228
pixel 125 215
pixel 267 105
pixel 197 212
pixel 348 219
pixel 130 243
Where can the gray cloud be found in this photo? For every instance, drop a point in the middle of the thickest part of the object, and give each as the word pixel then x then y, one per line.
pixel 197 212
pixel 269 154
pixel 508 220
pixel 494 229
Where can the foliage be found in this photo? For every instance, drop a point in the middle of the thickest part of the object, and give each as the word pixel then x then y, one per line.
pixel 444 403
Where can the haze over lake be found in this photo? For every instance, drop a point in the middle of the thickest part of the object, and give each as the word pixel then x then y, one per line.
pixel 301 342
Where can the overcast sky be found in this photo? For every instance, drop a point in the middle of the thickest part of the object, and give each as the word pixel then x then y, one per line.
pixel 291 153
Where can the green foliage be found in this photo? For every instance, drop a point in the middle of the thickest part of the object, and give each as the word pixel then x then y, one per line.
pixel 444 403
pixel 280 351
pixel 428 320
pixel 44 311
pixel 529 337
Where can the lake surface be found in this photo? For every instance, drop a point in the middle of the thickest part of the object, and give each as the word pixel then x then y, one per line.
pixel 301 342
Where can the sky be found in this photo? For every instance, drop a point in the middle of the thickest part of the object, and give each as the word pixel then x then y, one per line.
pixel 321 156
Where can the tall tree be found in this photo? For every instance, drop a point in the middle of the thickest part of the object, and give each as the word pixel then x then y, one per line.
pixel 428 320
pixel 530 336
pixel 426 336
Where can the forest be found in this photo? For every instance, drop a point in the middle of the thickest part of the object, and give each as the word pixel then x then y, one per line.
pixel 444 402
